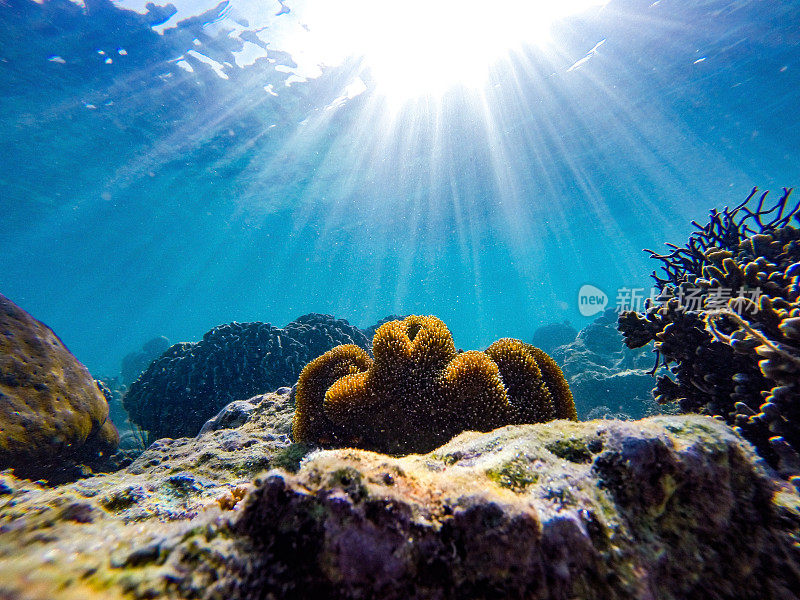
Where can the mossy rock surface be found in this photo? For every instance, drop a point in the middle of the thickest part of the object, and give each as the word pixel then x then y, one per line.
pixel 667 507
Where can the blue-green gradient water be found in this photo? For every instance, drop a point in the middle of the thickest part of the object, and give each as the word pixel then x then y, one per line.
pixel 159 177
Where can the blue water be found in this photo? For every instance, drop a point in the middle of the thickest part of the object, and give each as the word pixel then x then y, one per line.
pixel 138 198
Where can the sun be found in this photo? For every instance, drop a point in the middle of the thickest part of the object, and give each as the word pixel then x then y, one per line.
pixel 420 47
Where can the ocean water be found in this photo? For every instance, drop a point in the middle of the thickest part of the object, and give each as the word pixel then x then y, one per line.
pixel 165 169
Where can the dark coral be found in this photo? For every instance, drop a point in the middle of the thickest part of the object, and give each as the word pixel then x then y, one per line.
pixel 53 416
pixel 728 325
pixel 191 382
pixel 419 391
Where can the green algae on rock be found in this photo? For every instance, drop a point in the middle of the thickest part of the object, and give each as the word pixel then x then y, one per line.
pixel 667 507
pixel 419 392
pixel 53 416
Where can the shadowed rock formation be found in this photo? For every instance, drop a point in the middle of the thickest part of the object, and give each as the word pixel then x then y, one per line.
pixel 53 416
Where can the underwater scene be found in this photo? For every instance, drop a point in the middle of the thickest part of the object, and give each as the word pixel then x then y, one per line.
pixel 399 299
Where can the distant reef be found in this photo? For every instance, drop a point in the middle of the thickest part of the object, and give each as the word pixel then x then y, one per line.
pixel 727 324
pixel 53 416
pixel 136 363
pixel 549 337
pixel 608 380
pixel 190 382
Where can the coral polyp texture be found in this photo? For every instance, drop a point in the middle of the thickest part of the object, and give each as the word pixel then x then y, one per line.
pixel 419 391
pixel 728 325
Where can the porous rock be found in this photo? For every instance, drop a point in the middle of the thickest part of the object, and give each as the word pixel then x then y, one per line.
pixel 235 414
pixel 53 416
pixel 668 507
pixel 191 382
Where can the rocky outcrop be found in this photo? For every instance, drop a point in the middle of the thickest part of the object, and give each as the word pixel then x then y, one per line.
pixel 191 382
pixel 668 507
pixel 606 378
pixel 53 416
pixel 663 508
pixel 549 337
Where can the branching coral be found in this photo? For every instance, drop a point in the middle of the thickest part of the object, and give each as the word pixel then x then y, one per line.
pixel 419 391
pixel 728 324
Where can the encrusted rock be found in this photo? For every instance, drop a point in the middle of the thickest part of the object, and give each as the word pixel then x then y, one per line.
pixel 53 416
pixel 235 414
pixel 667 507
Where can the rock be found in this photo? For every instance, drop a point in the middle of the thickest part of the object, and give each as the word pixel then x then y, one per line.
pixel 549 337
pixel 606 378
pixel 114 392
pixel 661 508
pixel 191 382
pixel 53 416
pixel 235 414
pixel 668 507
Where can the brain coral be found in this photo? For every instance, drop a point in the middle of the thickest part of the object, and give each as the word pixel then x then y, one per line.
pixel 191 382
pixel 53 415
pixel 419 391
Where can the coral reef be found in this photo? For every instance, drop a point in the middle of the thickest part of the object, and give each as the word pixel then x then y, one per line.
pixel 549 337
pixel 130 434
pixel 135 363
pixel 727 325
pixel 418 392
pixel 53 416
pixel 606 378
pixel 191 382
pixel 668 507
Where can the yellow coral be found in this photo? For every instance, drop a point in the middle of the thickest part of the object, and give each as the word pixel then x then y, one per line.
pixel 310 422
pixel 418 392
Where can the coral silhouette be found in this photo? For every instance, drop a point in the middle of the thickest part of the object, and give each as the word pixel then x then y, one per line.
pixel 728 325
pixel 419 391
